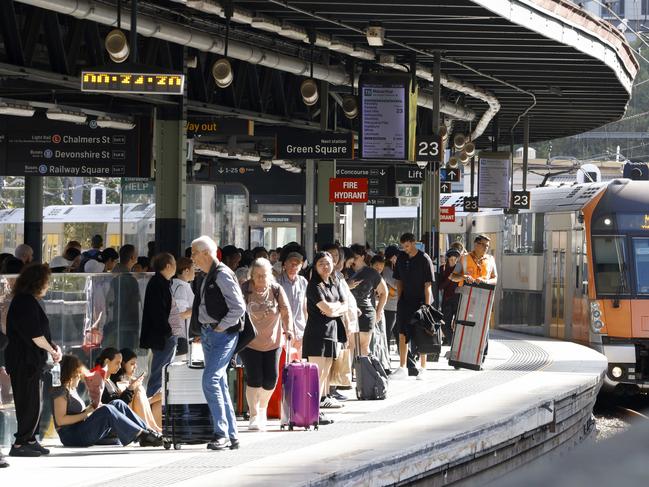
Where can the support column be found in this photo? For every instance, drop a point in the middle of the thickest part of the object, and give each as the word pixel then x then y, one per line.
pixel 326 210
pixel 358 223
pixel 309 210
pixel 33 224
pixel 170 186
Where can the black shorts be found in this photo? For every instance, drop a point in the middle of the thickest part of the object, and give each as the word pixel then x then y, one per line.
pixel 405 314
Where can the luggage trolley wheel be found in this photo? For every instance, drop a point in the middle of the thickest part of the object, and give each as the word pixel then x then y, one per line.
pixel 456 367
pixel 290 426
pixel 166 445
pixel 177 446
pixel 315 426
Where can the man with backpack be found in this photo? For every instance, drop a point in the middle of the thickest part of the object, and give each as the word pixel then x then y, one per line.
pixel 216 313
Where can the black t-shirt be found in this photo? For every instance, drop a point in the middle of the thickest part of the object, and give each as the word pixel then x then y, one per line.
pixel 322 291
pixel 364 292
pixel 413 272
pixel 26 320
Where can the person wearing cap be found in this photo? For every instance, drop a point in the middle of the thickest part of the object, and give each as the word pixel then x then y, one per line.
pixel 450 299
pixel 60 264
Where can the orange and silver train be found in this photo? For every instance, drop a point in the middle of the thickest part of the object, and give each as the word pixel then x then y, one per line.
pixel 575 266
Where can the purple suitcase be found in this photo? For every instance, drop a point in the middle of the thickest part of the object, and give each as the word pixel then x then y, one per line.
pixel 300 396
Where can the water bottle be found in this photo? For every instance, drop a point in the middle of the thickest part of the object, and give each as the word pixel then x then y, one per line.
pixel 56 375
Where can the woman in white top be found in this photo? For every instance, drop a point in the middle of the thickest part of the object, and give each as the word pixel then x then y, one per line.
pixel 183 296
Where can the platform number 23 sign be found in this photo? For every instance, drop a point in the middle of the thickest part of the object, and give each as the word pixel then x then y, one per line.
pixel 428 148
pixel 521 200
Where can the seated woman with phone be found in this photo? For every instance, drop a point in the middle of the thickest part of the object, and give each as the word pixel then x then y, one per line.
pixel 81 425
pixel 124 384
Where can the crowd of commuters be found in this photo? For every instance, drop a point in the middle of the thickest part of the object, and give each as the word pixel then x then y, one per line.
pixel 322 311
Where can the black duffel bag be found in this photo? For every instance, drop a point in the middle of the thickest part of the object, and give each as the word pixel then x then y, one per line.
pixel 427 334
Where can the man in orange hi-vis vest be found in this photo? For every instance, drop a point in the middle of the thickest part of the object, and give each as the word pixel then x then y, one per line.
pixel 477 266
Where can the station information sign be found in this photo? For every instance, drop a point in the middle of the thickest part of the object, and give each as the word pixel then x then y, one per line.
pixel 378 178
pixel 494 173
pixel 41 147
pixel 131 82
pixel 348 190
pixel 384 103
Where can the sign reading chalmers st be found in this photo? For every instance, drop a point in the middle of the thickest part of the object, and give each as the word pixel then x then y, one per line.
pixel 317 145
pixel 41 147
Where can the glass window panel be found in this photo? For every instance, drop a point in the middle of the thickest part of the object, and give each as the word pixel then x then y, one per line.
pixel 641 257
pixel 611 272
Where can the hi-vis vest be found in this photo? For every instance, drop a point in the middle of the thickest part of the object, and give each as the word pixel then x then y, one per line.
pixel 476 270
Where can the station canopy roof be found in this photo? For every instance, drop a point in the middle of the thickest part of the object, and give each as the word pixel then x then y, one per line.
pixel 569 70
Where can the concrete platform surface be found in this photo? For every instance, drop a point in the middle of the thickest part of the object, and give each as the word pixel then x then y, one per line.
pixel 450 418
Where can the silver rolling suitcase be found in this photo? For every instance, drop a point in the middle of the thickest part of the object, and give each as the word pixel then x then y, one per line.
pixel 186 417
pixel 471 326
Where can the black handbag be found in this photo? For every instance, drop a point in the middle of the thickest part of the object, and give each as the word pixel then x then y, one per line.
pixel 247 333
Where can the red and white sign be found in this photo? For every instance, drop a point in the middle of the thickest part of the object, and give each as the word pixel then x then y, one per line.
pixel 447 214
pixel 348 190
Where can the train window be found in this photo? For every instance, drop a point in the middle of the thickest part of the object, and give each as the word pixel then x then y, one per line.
pixel 641 258
pixel 611 271
pixel 523 234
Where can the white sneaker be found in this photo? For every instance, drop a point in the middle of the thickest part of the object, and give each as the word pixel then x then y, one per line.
pixel 254 423
pixel 261 419
pixel 399 373
pixel 421 374
pixel 329 402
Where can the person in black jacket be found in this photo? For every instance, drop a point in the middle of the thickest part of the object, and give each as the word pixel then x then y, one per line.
pixel 156 331
pixel 30 340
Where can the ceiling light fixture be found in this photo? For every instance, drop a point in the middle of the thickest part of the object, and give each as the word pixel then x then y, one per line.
pixel 363 53
pixel 207 6
pixel 321 40
pixel 343 47
pixel 242 16
pixel 56 113
pixel 294 32
pixel 267 24
pixel 210 150
pixel 115 43
pixel 375 34
pixel 309 87
pixel 249 156
pixel 458 141
pixel 115 123
pixel 16 109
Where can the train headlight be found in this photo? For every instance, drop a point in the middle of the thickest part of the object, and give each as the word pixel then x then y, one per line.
pixel 597 314
pixel 616 372
pixel 598 325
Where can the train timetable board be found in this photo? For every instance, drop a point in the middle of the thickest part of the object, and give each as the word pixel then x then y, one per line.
pixel 384 132
pixel 40 147
pixel 494 173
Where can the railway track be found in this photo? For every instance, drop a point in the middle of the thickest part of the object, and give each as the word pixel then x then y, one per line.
pixel 614 415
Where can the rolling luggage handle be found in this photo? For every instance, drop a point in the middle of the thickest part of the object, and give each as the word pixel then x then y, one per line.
pixel 190 363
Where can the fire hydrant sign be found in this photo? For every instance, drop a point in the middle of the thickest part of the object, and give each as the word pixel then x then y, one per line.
pixel 348 190
pixel 447 214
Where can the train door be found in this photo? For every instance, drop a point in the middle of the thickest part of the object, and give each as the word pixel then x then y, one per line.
pixel 557 289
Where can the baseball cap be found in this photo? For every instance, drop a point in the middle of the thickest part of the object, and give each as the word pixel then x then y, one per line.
pixel 452 253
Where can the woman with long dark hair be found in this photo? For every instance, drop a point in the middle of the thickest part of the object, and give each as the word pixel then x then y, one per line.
pixel 325 307
pixel 30 341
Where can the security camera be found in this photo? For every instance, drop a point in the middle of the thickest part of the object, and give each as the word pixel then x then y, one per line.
pixel 197 166
pixel 266 165
pixel 422 164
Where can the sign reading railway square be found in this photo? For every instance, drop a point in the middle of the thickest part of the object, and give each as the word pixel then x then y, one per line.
pixel 41 147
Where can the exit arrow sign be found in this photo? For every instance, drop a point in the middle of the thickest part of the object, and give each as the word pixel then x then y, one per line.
pixel 452 175
pixel 445 187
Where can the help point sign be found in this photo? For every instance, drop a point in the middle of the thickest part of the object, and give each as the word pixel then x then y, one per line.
pixel 348 190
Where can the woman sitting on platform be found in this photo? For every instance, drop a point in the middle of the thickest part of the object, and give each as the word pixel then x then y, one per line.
pixel 81 425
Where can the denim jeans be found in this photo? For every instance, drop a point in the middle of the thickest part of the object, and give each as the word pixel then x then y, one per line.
pixel 113 417
pixel 218 349
pixel 159 360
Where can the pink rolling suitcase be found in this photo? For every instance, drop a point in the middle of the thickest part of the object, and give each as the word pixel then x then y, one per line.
pixel 300 396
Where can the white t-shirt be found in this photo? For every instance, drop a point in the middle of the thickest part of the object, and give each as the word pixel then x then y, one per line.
pixel 183 295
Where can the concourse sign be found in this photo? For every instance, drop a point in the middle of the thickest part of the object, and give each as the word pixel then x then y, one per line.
pixel 377 177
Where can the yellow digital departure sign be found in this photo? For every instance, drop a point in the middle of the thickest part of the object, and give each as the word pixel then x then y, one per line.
pixel 145 83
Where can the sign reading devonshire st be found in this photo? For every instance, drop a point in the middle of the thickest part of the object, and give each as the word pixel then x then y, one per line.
pixel 41 147
pixel 384 116
pixel 348 190
pixel 314 145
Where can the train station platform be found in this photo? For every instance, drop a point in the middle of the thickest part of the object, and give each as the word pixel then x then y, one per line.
pixel 535 396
